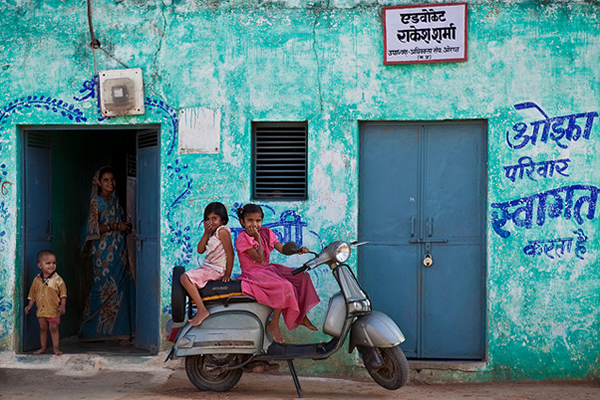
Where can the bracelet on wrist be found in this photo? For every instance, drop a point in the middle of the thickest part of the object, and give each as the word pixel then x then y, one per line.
pixel 108 227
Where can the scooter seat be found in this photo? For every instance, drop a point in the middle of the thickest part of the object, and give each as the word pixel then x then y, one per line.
pixel 224 291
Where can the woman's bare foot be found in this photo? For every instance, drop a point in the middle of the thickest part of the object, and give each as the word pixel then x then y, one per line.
pixel 200 316
pixel 273 328
pixel 40 351
pixel 57 352
pixel 306 322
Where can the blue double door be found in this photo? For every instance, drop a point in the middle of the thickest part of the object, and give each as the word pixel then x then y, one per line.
pixel 422 200
pixel 58 168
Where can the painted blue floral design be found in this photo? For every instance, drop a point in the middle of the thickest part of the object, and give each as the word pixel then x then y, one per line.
pixel 4 214
pixel 4 184
pixel 177 170
pixel 169 114
pixel 180 231
pixel 5 306
pixel 169 281
pixel 42 102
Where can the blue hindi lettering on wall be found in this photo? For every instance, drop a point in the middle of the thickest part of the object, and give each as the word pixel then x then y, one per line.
pixel 552 129
pixel 566 202
pixel 531 169
pixel 558 246
pixel 576 202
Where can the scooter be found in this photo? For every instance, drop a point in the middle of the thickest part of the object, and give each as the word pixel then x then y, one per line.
pixel 234 338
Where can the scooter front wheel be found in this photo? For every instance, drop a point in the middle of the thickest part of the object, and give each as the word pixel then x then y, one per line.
pixel 206 372
pixel 392 374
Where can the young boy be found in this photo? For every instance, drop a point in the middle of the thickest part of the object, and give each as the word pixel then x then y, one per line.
pixel 49 292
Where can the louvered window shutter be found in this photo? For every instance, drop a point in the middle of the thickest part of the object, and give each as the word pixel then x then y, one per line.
pixel 279 161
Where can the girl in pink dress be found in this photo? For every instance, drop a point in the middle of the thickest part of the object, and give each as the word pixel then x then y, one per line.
pixel 216 241
pixel 272 284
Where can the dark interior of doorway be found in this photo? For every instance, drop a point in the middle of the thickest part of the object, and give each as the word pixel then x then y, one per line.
pixel 76 155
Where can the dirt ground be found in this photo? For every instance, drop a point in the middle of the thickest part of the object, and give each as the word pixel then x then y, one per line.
pixel 164 383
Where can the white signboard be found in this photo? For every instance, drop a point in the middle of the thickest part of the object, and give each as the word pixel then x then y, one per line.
pixel 199 131
pixel 425 33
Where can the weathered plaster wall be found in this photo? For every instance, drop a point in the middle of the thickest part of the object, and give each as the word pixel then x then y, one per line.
pixel 322 62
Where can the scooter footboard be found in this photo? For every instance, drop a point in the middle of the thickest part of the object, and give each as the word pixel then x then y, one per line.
pixel 375 330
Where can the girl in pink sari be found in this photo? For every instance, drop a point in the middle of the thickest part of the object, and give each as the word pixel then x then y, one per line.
pixel 272 284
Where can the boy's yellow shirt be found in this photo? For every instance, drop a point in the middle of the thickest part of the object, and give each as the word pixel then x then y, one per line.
pixel 47 295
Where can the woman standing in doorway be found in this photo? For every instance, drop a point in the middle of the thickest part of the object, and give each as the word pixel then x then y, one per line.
pixel 108 313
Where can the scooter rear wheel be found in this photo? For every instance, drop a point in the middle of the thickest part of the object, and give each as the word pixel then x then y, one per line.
pixel 205 372
pixel 393 374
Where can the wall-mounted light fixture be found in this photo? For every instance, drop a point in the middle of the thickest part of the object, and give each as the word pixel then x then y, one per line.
pixel 121 92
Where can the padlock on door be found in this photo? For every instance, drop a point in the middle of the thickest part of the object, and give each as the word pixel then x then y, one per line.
pixel 428 260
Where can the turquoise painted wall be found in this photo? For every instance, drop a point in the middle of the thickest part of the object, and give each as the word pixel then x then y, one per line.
pixel 322 62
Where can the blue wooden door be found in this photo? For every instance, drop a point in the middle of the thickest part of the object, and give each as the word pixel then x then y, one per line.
pixel 422 192
pixel 37 232
pixel 147 226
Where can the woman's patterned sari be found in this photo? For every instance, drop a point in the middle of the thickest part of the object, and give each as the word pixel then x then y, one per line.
pixel 109 309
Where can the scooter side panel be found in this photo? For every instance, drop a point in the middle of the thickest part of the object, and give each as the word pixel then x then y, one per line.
pixel 237 332
pixel 375 330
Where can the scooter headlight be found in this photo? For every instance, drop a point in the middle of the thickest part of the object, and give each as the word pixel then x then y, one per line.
pixel 362 306
pixel 342 252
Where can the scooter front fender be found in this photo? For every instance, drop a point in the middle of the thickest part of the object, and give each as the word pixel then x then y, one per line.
pixel 375 329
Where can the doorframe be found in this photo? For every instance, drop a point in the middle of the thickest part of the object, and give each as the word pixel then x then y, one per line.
pixel 21 236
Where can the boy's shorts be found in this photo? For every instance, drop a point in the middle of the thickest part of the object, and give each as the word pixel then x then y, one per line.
pixel 55 320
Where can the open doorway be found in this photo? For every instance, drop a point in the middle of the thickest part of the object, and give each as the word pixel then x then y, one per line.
pixel 58 165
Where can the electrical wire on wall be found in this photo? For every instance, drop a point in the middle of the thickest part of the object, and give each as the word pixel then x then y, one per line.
pixel 95 43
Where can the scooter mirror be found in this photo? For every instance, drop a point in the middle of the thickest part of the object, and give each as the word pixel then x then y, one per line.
pixel 290 248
